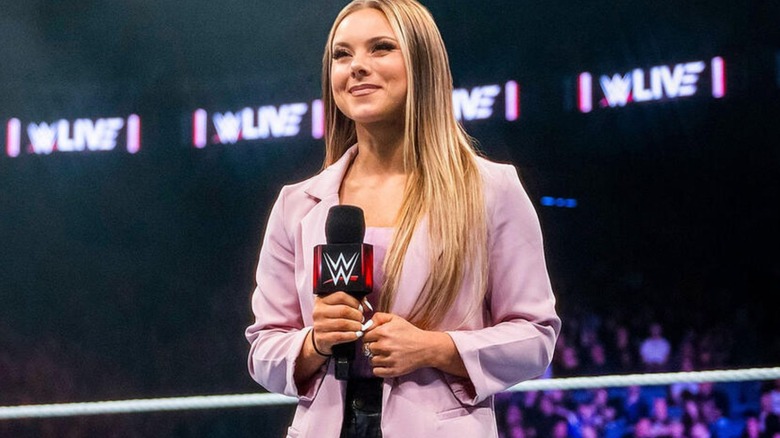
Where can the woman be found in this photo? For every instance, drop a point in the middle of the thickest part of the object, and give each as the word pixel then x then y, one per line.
pixel 464 307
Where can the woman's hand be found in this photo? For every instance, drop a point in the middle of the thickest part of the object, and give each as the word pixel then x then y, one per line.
pixel 398 347
pixel 337 320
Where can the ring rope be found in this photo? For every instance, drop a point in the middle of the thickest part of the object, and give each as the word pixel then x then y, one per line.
pixel 268 399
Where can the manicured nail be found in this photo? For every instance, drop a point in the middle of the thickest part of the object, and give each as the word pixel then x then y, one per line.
pixel 368 304
pixel 360 308
pixel 367 325
pixel 359 334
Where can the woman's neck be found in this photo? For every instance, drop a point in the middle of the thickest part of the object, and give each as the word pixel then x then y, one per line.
pixel 375 180
pixel 380 151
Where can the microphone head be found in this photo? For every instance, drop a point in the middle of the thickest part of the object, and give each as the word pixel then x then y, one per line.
pixel 345 224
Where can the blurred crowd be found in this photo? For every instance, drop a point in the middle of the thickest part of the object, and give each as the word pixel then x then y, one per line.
pixel 591 345
pixel 691 410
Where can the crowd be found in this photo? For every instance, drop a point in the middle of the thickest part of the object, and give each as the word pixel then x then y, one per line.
pixel 591 345
pixel 700 410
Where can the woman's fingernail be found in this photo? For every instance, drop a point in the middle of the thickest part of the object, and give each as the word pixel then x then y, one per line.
pixel 368 304
pixel 367 325
pixel 359 334
pixel 360 308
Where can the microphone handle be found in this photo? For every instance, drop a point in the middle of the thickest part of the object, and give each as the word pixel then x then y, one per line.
pixel 343 354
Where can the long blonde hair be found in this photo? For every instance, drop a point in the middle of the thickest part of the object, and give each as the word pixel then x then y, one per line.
pixel 443 183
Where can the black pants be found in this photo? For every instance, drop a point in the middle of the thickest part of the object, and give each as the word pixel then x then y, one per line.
pixel 363 409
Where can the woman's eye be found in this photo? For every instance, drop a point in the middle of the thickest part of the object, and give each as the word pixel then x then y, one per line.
pixel 338 54
pixel 384 47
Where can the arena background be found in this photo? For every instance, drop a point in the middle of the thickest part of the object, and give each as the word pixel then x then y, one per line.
pixel 131 214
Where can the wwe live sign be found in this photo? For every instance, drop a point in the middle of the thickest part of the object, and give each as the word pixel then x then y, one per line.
pixel 80 135
pixel 286 120
pixel 657 83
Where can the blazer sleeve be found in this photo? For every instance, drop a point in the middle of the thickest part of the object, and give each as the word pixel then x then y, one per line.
pixel 278 332
pixel 523 325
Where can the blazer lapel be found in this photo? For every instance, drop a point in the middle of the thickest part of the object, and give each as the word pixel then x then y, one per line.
pixel 323 188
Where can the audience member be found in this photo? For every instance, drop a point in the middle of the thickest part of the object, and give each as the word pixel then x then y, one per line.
pixel 752 428
pixel 634 405
pixel 655 350
pixel 567 364
pixel 680 390
pixel 676 429
pixel 714 402
pixel 700 430
pixel 769 420
pixel 549 416
pixel 623 352
pixel 660 423
pixel 596 363
pixel 691 414
pixel 642 429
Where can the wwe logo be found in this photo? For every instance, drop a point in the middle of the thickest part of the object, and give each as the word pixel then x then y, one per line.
pixel 341 268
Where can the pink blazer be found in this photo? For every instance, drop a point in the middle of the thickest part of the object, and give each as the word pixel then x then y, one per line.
pixel 509 341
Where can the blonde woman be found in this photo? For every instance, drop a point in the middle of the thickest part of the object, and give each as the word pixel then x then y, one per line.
pixel 462 306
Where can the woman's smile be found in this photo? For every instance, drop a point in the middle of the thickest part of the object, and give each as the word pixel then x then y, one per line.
pixel 363 89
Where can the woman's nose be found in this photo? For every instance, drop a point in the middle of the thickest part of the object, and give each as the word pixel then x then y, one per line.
pixel 359 67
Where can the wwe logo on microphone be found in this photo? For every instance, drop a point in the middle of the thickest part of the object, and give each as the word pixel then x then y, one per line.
pixel 341 268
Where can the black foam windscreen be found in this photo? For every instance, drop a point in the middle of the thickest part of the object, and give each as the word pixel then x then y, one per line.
pixel 345 224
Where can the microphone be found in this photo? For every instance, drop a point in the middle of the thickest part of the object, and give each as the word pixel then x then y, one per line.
pixel 344 264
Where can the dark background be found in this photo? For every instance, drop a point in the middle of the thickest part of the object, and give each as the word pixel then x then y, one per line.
pixel 129 276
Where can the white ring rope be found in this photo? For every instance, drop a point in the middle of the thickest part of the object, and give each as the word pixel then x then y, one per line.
pixel 267 399
pixel 649 379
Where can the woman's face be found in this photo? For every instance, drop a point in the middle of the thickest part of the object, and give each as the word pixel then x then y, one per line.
pixel 368 76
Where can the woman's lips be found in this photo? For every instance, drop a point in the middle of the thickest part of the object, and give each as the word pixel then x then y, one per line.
pixel 362 90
